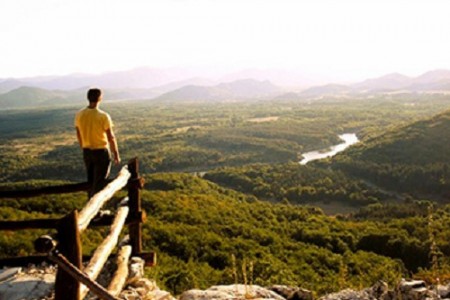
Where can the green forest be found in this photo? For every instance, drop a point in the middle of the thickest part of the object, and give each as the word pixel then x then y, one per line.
pixel 228 201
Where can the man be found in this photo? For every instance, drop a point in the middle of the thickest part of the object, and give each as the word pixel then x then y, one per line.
pixel 96 138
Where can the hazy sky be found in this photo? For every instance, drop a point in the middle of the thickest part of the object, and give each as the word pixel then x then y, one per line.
pixel 346 39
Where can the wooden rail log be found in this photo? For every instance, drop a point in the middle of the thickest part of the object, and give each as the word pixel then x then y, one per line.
pixel 100 256
pixel 134 195
pixel 69 245
pixel 60 189
pixel 98 200
pixel 120 276
pixel 53 223
pixel 29 224
pixel 23 261
pixel 64 264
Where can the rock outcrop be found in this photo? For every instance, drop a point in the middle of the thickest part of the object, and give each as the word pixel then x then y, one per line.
pixel 37 283
pixel 292 293
pixel 27 283
pixel 405 290
pixel 234 291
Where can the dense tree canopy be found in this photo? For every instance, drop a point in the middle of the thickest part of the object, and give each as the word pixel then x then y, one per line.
pixel 255 212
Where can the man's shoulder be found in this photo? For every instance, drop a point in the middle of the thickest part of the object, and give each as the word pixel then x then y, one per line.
pixel 103 114
pixel 92 111
pixel 100 111
pixel 82 110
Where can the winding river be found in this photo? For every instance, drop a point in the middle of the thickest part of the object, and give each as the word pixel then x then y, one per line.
pixel 348 138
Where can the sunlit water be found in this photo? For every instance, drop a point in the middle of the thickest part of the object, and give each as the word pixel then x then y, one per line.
pixel 348 138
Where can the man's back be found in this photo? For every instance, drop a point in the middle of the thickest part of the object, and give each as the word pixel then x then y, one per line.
pixel 96 138
pixel 93 124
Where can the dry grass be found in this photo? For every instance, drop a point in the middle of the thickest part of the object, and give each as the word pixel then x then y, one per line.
pixel 184 129
pixel 262 120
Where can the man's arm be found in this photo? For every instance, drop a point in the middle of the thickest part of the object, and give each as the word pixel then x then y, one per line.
pixel 79 137
pixel 113 145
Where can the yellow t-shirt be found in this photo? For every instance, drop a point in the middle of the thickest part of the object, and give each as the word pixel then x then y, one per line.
pixel 93 124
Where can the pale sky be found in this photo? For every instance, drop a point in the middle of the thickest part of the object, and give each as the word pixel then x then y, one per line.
pixel 346 39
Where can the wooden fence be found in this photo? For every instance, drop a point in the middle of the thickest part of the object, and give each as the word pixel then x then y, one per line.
pixel 73 281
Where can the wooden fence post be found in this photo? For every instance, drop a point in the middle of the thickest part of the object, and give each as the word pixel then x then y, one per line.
pixel 69 245
pixel 134 196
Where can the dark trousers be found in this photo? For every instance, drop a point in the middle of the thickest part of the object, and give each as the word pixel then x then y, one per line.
pixel 98 164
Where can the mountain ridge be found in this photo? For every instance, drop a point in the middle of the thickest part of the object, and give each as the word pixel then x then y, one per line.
pixel 239 89
pixel 147 77
pixel 173 85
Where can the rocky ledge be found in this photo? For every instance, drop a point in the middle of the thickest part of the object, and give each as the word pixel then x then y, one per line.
pixel 37 283
pixel 406 290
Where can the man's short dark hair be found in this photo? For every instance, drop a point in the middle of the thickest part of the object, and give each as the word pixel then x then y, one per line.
pixel 93 95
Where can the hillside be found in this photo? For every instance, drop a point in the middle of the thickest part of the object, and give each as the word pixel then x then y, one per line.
pixel 240 89
pixel 413 158
pixel 30 96
pixel 435 80
pixel 330 89
pixel 302 185
pixel 197 227
pixel 393 81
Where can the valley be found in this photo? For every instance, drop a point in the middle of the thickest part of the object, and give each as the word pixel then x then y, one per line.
pixel 330 224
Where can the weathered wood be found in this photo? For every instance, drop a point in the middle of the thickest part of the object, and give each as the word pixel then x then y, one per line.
pixel 23 261
pixel 64 264
pixel 134 196
pixel 69 245
pixel 29 224
pixel 108 220
pixel 53 223
pixel 59 189
pixel 104 250
pixel 98 200
pixel 149 258
pixel 120 276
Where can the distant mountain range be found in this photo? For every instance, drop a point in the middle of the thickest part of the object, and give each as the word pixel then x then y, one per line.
pixel 176 85
pixel 430 81
pixel 239 89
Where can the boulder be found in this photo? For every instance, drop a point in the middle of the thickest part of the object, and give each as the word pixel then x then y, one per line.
pixel 136 269
pixel 415 290
pixel 301 294
pixel 380 290
pixel 160 295
pixel 234 291
pixel 443 291
pixel 204 295
pixel 24 286
pixel 348 294
pixel 9 273
pixel 283 290
pixel 291 292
